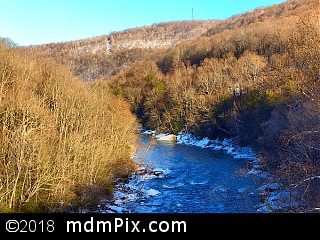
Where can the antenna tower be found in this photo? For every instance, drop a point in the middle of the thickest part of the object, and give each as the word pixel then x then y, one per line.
pixel 192 12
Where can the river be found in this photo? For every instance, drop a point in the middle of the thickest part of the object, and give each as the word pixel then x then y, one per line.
pixel 180 178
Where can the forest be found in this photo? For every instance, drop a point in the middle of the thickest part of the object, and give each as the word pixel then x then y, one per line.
pixel 257 83
pixel 65 112
pixel 63 142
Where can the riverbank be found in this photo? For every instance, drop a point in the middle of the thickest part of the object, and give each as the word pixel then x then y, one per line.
pixel 275 198
pixel 130 191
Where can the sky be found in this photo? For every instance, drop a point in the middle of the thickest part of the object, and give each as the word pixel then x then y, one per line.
pixel 33 22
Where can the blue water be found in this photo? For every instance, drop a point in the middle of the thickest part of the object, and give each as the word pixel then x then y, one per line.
pixel 195 180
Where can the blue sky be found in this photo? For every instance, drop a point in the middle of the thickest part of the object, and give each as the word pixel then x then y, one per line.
pixel 31 22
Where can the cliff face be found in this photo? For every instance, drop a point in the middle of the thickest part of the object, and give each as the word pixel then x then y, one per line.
pixel 157 36
pixel 160 36
pixel 106 55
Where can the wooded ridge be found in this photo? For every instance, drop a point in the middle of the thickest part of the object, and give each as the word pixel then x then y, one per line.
pixel 253 77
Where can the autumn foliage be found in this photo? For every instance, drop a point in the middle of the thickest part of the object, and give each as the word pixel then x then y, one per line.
pixel 253 77
pixel 257 83
pixel 63 142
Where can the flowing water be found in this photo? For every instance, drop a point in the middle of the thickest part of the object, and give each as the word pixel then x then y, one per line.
pixel 191 179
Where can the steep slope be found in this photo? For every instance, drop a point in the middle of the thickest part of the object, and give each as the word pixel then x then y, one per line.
pixel 108 54
pixel 105 56
pixel 268 14
pixel 160 35
pixel 253 77
pixel 256 82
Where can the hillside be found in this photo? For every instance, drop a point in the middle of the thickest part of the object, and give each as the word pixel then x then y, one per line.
pixel 61 139
pixel 253 78
pixel 107 55
pixel 156 36
pixel 268 14
pixel 254 81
